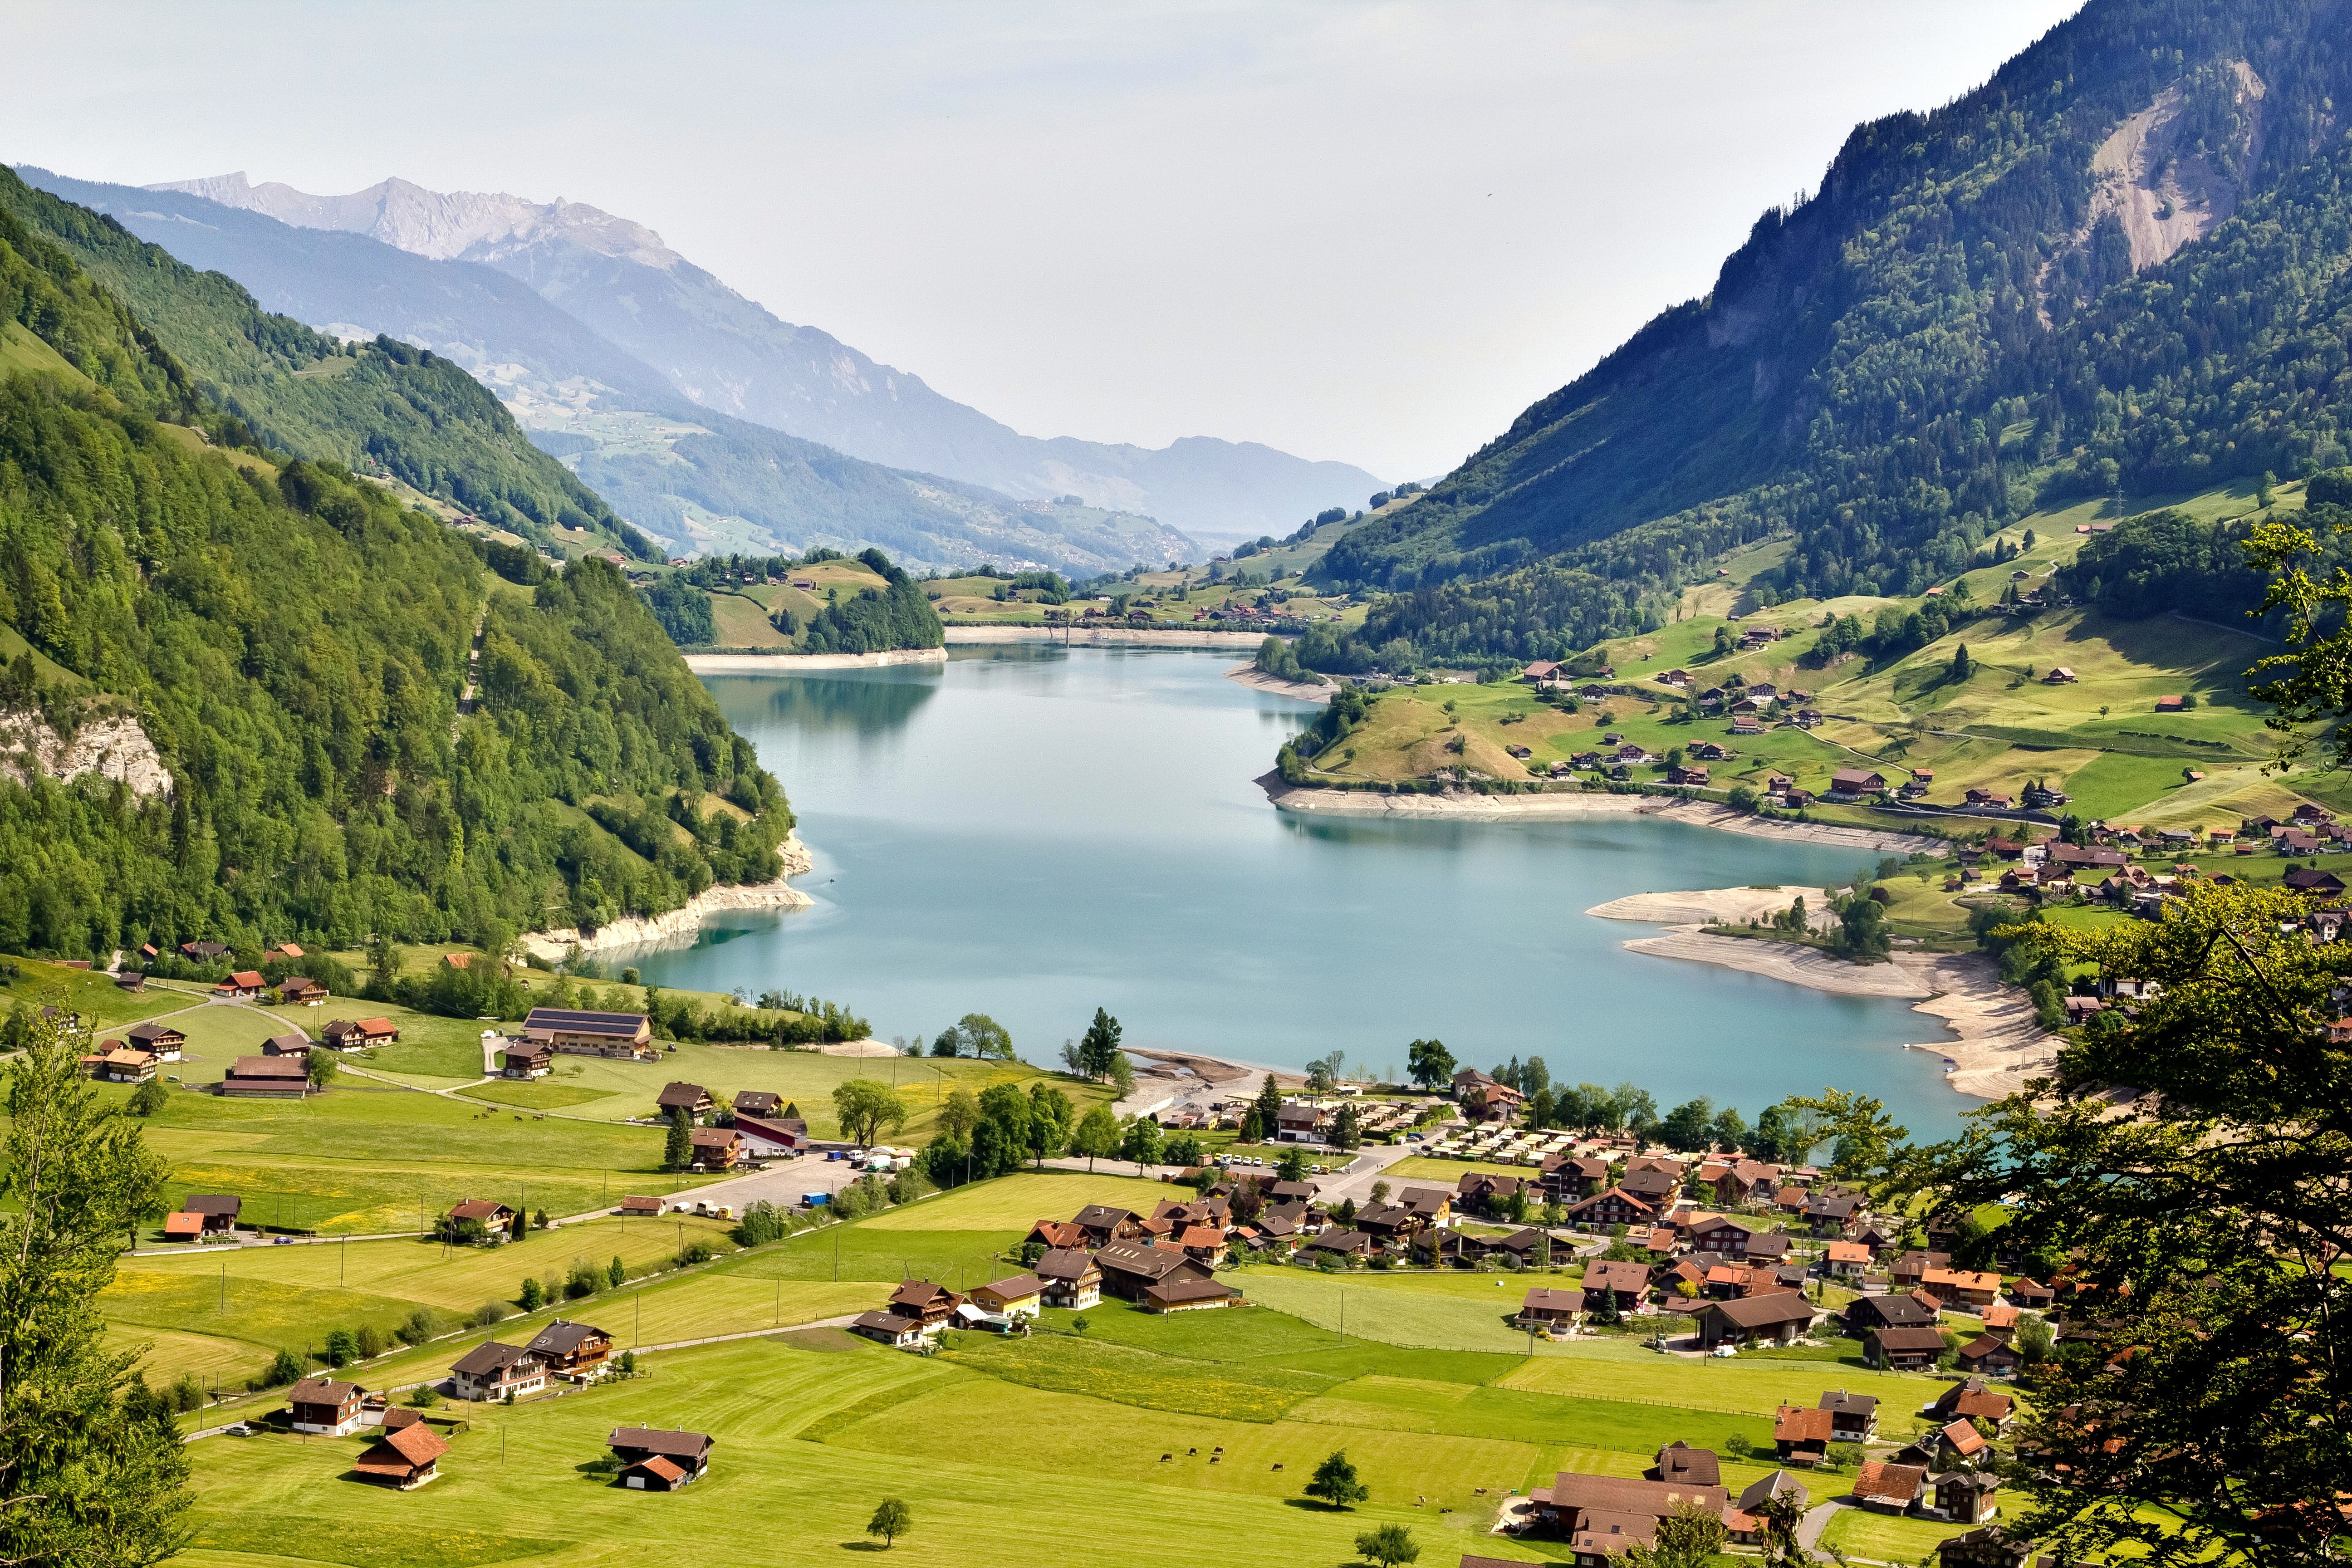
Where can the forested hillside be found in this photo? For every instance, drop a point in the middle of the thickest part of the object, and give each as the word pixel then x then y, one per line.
pixel 292 642
pixel 422 418
pixel 2118 267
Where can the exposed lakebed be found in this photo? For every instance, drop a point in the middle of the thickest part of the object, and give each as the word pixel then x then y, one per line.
pixel 1030 831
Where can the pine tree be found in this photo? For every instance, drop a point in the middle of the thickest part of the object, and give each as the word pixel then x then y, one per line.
pixel 1961 667
pixel 677 1152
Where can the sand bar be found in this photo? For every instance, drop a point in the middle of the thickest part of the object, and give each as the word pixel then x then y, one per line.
pixel 796 663
pixel 1566 805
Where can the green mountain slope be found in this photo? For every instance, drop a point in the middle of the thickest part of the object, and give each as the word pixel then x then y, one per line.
pixel 419 417
pixel 2119 265
pixel 293 649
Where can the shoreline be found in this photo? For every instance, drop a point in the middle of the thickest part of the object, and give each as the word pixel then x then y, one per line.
pixel 648 931
pixel 1257 680
pixel 1992 1040
pixel 783 663
pixel 1105 636
pixel 1562 806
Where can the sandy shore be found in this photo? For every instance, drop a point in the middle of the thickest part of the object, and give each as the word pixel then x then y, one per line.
pixel 790 663
pixel 1258 680
pixel 1105 636
pixel 1991 1036
pixel 680 923
pixel 1566 805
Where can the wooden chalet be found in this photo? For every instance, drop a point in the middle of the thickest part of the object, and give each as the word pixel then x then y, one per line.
pixel 1888 1487
pixel 160 1041
pixel 1021 1296
pixel 488 1213
pixel 1964 1497
pixel 526 1061
pixel 1853 1417
pixel 1614 1207
pixel 296 1044
pixel 1129 1269
pixel 655 1458
pixel 217 1210
pixel 325 1406
pixel 929 1305
pixel 1555 1310
pixel 493 1371
pixel 1680 1463
pixel 1070 1276
pixel 1911 1310
pixel 575 1350
pixel 1629 1282
pixel 405 1458
pixel 888 1328
pixel 1991 1354
pixel 346 1035
pixel 1903 1350
pixel 570 1032
pixel 243 986
pixel 758 1102
pixel 1780 1318
pixel 690 1098
pixel 301 991
pixel 1600 1516
pixel 639 1205
pixel 1188 1295
pixel 120 1064
pixel 716 1148
pixel 1103 1224
pixel 1802 1436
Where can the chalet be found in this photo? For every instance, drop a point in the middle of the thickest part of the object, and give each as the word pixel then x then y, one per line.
pixel 121 1064
pixel 183 1227
pixel 268 1078
pixel 1910 1309
pixel 1300 1122
pixel 690 1098
pixel 1547 1309
pixel 488 1213
pixel 1990 1547
pixel 405 1458
pixel 1386 1222
pixel 768 1135
pixel 323 1407
pixel 1852 782
pixel 1523 1245
pixel 1846 1260
pixel 639 1205
pixel 493 1371
pixel 1887 1486
pixel 1430 1206
pixel 1744 1521
pixel 294 1045
pixel 1352 1245
pixel 1720 1236
pixel 1961 1285
pixel 1964 1497
pixel 2059 675
pixel 1478 1190
pixel 1708 752
pixel 1656 1187
pixel 1802 1436
pixel 203 952
pixel 528 1059
pixel 1104 1225
pixel 1600 1516
pixel 1745 725
pixel 1188 1296
pixel 1783 1317
pixel 655 1459
pixel 1833 1215
pixel 1051 1233
pixel 346 1036
pixel 889 1327
pixel 2031 1294
pixel 301 991
pixel 758 1102
pixel 1976 1400
pixel 1853 1417
pixel 929 1305
pixel 569 1032
pixel 282 949
pixel 243 986
pixel 1959 1443
pixel 1021 1296
pixel 1746 1180
pixel 219 1210
pixel 1203 1243
pixel 1685 1466
pixel 1629 1282
pixel 1910 1269
pixel 1685 775
pixel 1991 1354
pixel 2302 879
pixel 715 1148
pixel 1615 1207
pixel 1565 1179
pixel 1128 1270
pixel 576 1350
pixel 1901 1350
pixel 1541 671
pixel 159 1040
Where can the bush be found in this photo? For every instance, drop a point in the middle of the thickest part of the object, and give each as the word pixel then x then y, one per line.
pixel 342 1346
pixel 617 1273
pixel 532 1298
pixel 693 1252
pixel 628 1363
pixel 372 1341
pixel 490 1312
pixel 284 1370
pixel 585 1279
pixel 419 1326
pixel 186 1395
pixel 422 1397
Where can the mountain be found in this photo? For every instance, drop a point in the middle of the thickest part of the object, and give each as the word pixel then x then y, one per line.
pixel 697 482
pixel 2118 267
pixel 379 406
pixel 730 355
pixel 257 656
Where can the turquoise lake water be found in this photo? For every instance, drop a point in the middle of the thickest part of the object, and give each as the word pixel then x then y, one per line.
pixel 1029 832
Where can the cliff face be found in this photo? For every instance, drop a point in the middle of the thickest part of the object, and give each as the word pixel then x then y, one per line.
pixel 111 748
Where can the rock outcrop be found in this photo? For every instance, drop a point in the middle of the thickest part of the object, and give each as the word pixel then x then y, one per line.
pixel 113 748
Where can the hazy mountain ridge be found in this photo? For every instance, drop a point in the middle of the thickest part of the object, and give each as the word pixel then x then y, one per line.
pixel 692 478
pixel 728 354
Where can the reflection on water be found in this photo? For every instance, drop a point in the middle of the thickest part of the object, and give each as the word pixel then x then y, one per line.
pixel 1030 832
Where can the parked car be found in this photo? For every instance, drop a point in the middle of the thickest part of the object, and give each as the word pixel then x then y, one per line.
pixel 1725 1353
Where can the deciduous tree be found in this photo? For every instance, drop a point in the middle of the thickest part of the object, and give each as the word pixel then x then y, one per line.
pixel 1336 1483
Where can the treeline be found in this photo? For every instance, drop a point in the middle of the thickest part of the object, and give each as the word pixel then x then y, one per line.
pixel 418 417
pixel 896 615
pixel 293 647
pixel 1872 373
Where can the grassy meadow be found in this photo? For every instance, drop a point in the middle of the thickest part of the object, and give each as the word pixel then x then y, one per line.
pixel 1219 1414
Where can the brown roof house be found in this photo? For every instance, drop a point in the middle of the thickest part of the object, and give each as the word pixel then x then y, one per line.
pixel 575 1350
pixel 1681 1463
pixel 1021 1296
pixel 494 1371
pixel 570 1032
pixel 1188 1295
pixel 690 1098
pixel 1889 1487
pixel 658 1460
pixel 159 1040
pixel 1128 1270
pixel 1802 1436
pixel 1630 1281
pixel 1783 1317
pixel 219 1210
pixel 1068 1277
pixel 325 1407
pixel 268 1078
pixel 1853 1417
pixel 1903 1350
pixel 1555 1310
pixel 405 1458
pixel 715 1148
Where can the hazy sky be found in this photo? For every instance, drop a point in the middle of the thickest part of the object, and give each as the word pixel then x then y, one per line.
pixel 1372 232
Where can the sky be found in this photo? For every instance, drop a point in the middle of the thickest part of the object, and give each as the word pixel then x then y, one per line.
pixel 1372 232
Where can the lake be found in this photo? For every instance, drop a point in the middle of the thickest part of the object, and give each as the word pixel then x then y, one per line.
pixel 1030 832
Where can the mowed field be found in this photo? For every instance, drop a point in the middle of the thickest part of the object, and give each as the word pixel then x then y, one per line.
pixel 1218 1415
